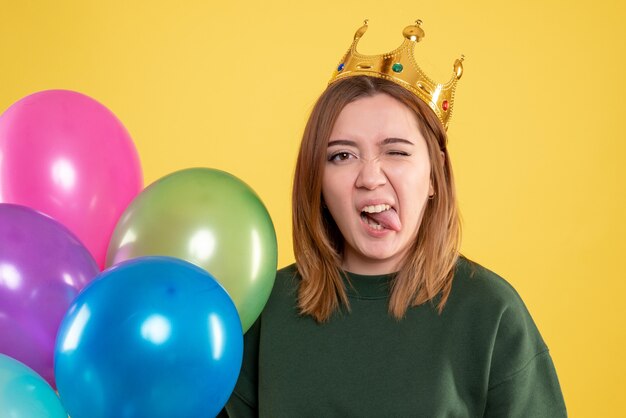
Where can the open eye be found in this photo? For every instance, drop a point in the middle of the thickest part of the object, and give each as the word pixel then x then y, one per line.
pixel 340 156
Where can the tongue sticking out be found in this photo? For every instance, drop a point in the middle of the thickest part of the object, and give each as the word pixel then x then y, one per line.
pixel 388 219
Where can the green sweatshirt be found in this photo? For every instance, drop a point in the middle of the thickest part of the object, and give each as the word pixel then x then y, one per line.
pixel 482 357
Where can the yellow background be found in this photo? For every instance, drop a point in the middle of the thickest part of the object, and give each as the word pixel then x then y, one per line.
pixel 536 139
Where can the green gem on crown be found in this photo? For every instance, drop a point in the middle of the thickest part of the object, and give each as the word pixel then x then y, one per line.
pixel 397 67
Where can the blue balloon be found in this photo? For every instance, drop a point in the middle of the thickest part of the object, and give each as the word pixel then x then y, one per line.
pixel 150 337
pixel 25 394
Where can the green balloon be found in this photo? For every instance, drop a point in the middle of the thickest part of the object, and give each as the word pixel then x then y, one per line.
pixel 212 219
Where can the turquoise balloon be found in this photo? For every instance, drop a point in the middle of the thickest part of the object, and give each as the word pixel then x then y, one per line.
pixel 25 394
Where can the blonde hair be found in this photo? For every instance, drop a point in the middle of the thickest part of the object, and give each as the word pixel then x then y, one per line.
pixel 428 268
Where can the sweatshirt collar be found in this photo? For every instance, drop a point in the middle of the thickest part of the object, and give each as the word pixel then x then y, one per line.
pixel 362 286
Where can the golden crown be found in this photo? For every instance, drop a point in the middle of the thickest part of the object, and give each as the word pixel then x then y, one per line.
pixel 400 67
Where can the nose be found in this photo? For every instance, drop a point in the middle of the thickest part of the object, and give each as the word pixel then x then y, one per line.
pixel 370 174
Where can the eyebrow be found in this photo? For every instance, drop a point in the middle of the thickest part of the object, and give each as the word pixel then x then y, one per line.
pixel 342 142
pixel 385 141
pixel 388 141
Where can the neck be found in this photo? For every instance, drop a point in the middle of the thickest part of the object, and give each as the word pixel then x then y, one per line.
pixel 366 266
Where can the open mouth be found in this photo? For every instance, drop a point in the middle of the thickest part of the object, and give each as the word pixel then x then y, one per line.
pixel 380 217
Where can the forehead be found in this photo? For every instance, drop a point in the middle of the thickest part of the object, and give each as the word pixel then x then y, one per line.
pixel 376 117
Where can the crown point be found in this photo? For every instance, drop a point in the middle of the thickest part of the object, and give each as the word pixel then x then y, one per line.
pixel 413 32
pixel 361 30
pixel 458 67
pixel 390 66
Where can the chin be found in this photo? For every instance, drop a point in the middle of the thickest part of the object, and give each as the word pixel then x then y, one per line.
pixel 380 255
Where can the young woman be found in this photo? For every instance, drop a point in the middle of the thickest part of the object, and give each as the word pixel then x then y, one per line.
pixel 380 316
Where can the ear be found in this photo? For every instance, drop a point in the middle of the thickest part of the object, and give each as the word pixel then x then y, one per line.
pixel 431 188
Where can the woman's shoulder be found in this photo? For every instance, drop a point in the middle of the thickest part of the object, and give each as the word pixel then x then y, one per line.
pixel 285 290
pixel 287 279
pixel 521 367
pixel 288 272
pixel 489 299
pixel 491 302
pixel 474 283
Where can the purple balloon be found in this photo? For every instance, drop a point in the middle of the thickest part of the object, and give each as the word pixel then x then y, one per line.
pixel 43 266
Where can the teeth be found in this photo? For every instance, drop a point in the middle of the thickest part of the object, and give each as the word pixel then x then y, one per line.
pixel 373 223
pixel 376 208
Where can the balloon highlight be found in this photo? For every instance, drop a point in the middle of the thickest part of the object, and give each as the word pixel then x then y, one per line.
pixel 43 266
pixel 209 218
pixel 66 155
pixel 151 337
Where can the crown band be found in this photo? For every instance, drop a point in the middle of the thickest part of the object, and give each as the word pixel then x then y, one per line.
pixel 400 67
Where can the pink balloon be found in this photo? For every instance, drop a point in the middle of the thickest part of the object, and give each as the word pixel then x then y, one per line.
pixel 66 155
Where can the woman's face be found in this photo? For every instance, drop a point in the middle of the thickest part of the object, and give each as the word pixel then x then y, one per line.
pixel 376 182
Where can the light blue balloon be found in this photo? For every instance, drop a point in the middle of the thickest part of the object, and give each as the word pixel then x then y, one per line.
pixel 153 337
pixel 25 394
